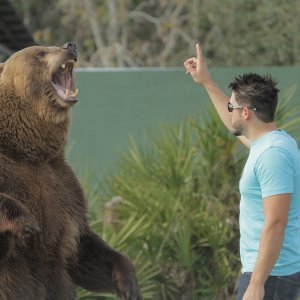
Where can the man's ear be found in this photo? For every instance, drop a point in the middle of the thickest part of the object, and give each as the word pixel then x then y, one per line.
pixel 246 113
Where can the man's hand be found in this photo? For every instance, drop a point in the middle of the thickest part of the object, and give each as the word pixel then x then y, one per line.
pixel 254 292
pixel 196 67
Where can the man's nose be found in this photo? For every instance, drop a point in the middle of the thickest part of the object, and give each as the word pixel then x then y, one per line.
pixel 72 48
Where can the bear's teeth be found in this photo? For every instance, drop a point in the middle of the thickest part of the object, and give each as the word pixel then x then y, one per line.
pixel 76 93
pixel 67 92
pixel 63 66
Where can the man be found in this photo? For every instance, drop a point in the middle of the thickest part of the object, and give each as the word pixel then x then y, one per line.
pixel 269 185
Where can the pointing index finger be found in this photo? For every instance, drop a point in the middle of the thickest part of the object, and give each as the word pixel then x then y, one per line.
pixel 199 52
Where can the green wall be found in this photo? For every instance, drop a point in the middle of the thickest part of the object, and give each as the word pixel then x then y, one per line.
pixel 114 104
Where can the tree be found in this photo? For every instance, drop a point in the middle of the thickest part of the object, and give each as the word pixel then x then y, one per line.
pixel 148 33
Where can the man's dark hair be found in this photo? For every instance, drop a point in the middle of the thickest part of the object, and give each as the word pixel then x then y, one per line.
pixel 257 91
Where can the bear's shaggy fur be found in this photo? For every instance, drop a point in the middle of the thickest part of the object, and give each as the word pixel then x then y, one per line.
pixel 46 245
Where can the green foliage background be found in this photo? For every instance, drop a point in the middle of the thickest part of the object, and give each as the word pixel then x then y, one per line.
pixel 163 33
pixel 178 219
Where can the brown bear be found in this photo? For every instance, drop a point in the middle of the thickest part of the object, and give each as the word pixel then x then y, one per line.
pixel 46 245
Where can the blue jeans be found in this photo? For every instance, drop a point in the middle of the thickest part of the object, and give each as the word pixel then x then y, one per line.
pixel 276 287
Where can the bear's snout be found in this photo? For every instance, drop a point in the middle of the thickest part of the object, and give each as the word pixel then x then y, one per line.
pixel 72 49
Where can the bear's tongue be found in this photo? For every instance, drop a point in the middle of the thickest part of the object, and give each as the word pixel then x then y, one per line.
pixel 61 81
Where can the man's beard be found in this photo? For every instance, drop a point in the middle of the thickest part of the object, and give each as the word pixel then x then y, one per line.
pixel 237 128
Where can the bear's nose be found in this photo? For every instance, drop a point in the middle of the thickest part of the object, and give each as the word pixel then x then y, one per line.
pixel 72 48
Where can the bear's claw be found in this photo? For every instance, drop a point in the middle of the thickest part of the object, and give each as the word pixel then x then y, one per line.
pixel 126 282
pixel 31 229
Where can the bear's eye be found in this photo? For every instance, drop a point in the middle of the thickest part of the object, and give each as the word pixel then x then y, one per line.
pixel 41 54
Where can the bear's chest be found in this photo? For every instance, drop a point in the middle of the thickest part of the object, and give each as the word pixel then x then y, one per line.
pixel 53 195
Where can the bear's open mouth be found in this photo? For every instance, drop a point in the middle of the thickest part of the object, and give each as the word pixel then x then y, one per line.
pixel 62 81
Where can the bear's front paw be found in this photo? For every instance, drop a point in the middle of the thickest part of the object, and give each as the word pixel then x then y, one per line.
pixel 16 219
pixel 124 276
pixel 20 227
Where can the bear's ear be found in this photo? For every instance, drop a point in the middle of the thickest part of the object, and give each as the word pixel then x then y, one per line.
pixel 1 68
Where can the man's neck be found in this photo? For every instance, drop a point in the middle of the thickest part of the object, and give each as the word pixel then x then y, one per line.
pixel 256 132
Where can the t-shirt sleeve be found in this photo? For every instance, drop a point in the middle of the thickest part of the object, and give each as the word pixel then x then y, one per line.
pixel 274 171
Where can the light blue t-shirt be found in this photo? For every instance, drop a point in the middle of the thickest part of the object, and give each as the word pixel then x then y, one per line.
pixel 272 168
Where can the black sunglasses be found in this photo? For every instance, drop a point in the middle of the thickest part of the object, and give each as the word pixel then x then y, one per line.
pixel 231 107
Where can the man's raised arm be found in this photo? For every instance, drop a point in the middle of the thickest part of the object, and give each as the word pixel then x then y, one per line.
pixel 196 67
